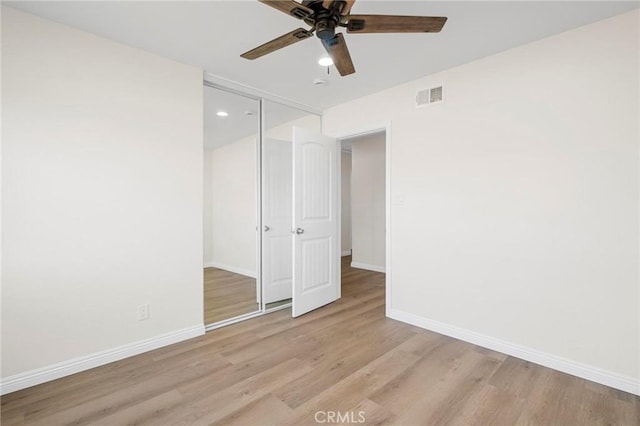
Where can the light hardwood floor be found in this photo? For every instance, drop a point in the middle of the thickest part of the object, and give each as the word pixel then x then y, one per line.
pixel 227 295
pixel 346 357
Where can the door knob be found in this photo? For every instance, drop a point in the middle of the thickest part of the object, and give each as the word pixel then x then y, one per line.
pixel 299 231
pixel 266 228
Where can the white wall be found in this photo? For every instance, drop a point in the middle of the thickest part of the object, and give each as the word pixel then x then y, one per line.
pixel 345 211
pixel 231 242
pixel 368 201
pixel 514 214
pixel 207 198
pixel 101 199
pixel 284 132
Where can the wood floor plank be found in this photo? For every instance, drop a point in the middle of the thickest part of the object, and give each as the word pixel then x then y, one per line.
pixel 332 370
pixel 146 409
pixel 399 395
pixel 227 295
pixel 348 392
pixel 372 413
pixel 93 409
pixel 599 408
pixel 489 406
pixel 132 394
pixel 213 407
pixel 266 411
pixel 555 397
pixel 345 357
pixel 84 389
pixel 448 394
pixel 515 376
pixel 331 314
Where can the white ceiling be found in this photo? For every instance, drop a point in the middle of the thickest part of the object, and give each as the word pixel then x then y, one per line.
pixel 243 119
pixel 212 34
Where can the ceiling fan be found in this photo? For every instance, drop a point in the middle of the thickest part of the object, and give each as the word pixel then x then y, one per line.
pixel 323 16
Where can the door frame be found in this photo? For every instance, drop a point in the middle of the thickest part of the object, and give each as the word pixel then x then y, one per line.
pixel 220 83
pixel 363 131
pixel 258 199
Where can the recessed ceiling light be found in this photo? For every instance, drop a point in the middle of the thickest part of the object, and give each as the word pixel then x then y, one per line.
pixel 325 61
pixel 222 113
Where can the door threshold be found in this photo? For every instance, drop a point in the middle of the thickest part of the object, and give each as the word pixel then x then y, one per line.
pixel 233 320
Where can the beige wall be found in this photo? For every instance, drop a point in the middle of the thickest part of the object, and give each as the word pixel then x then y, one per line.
pixel 284 132
pixel 207 197
pixel 368 201
pixel 345 167
pixel 514 216
pixel 231 238
pixel 101 199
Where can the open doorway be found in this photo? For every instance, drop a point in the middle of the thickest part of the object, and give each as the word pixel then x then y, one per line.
pixel 363 216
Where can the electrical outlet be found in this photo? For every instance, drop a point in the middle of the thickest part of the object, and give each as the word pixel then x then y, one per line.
pixel 143 312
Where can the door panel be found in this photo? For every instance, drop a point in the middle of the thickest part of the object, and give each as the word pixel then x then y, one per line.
pixel 277 219
pixel 316 274
pixel 316 255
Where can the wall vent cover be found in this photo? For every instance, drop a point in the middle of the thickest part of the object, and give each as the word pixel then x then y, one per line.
pixel 435 94
pixel 429 96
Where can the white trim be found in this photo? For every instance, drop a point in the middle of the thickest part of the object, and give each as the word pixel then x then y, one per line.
pixel 346 253
pixel 233 320
pixel 278 308
pixel 234 269
pixel 244 317
pixel 585 371
pixel 260 225
pixel 338 203
pixel 76 365
pixel 217 81
pixel 367 266
pixel 387 253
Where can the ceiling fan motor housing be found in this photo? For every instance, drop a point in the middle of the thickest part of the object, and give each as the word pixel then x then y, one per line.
pixel 324 20
pixel 325 24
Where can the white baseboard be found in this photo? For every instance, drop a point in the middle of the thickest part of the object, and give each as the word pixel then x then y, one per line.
pixel 346 253
pixel 367 266
pixel 585 371
pixel 76 365
pixel 230 268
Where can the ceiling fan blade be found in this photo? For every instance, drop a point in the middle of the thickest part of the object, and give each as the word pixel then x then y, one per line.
pixel 337 49
pixel 395 24
pixel 278 43
pixel 346 9
pixel 289 7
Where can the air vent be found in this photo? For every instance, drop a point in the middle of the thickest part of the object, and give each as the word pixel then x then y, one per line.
pixel 429 96
pixel 435 94
pixel 422 98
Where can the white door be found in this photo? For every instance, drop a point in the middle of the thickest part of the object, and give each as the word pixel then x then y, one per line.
pixel 277 268
pixel 316 257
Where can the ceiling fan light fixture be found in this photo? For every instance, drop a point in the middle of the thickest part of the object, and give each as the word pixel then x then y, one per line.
pixel 325 16
pixel 325 61
pixel 222 113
